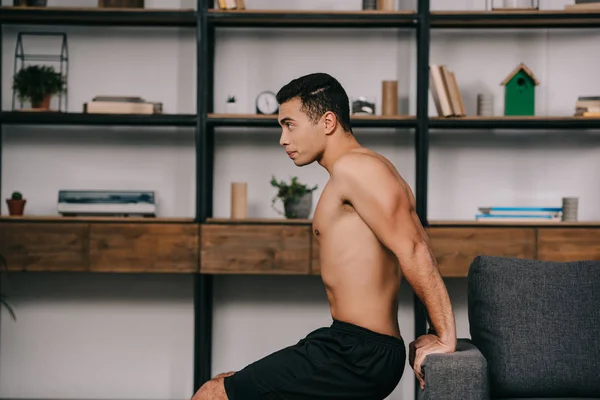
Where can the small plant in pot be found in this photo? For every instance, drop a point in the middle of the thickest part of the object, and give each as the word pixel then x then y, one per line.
pixel 231 105
pixel 296 198
pixel 38 83
pixel 16 204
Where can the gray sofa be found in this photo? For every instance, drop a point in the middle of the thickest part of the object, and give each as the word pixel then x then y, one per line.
pixel 535 334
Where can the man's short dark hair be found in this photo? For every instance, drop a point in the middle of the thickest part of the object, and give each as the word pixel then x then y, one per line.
pixel 319 93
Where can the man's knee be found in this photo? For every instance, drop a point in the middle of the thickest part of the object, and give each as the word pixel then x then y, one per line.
pixel 224 375
pixel 211 390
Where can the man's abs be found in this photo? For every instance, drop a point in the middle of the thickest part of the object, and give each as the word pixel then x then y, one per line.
pixel 360 276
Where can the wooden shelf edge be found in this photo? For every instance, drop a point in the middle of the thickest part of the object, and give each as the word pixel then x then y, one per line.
pixel 98 9
pixel 211 116
pixel 523 12
pixel 459 223
pixel 257 221
pixel 310 12
pixel 276 221
pixel 432 223
pixel 254 273
pixel 61 219
pixel 516 118
pixel 56 117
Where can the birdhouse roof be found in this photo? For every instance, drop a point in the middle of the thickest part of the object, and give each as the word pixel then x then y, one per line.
pixel 516 70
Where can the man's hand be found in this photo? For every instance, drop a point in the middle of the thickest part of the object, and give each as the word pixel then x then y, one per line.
pixel 423 346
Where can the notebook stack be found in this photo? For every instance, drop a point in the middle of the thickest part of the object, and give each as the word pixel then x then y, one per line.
pixel 520 214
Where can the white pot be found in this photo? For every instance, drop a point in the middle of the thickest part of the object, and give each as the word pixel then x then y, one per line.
pixel 231 108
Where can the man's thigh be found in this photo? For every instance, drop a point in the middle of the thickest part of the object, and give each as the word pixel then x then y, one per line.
pixel 262 379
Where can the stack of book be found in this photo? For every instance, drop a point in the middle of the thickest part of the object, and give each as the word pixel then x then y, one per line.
pixel 445 92
pixel 232 4
pixel 517 214
pixel 587 106
pixel 121 105
pixel 583 5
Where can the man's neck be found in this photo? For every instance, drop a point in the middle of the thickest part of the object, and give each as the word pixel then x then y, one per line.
pixel 338 144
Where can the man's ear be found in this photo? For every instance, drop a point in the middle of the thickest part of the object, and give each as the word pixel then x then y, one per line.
pixel 330 121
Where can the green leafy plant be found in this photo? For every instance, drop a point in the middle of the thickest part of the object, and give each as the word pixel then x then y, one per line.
pixel 36 82
pixel 16 196
pixel 290 192
pixel 3 298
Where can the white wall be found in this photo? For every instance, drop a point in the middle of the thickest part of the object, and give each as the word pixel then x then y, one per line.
pixel 115 336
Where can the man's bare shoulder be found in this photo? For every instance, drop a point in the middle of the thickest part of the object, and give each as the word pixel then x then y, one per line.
pixel 361 165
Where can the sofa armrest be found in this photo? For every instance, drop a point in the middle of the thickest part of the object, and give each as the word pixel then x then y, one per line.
pixel 460 375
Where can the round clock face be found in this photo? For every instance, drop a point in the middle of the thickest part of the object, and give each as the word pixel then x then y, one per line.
pixel 266 103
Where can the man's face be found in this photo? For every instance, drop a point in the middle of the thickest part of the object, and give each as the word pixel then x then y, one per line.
pixel 302 140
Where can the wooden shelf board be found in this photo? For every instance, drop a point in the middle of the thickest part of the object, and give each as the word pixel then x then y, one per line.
pixel 522 11
pixel 61 219
pixel 358 121
pixel 517 118
pixel 458 223
pixel 433 223
pixel 516 19
pixel 274 117
pixel 409 121
pixel 85 119
pixel 515 122
pixel 96 9
pixel 258 221
pixel 311 12
pixel 98 16
pixel 212 116
pixel 313 18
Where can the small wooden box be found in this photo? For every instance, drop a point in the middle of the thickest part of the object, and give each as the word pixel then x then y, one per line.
pixel 121 3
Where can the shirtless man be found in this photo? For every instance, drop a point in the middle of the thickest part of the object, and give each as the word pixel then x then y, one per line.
pixel 369 237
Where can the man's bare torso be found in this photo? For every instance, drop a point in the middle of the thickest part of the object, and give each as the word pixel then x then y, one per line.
pixel 361 276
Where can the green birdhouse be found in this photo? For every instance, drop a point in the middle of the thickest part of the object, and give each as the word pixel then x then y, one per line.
pixel 519 91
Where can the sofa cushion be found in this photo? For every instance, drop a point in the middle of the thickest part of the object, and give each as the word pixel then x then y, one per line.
pixel 538 325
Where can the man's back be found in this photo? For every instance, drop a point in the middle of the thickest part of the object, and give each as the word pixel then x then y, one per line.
pixel 361 275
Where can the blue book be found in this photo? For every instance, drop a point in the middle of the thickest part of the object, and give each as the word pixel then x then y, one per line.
pixel 518 216
pixel 488 210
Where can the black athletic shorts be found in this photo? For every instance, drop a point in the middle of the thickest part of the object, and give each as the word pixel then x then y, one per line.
pixel 343 361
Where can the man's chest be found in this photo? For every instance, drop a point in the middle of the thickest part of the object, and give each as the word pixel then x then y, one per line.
pixel 330 208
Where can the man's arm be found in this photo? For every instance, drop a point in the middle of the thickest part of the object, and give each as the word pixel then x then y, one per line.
pixel 386 207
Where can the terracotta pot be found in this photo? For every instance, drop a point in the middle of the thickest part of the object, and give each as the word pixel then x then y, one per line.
pixel 16 207
pixel 44 105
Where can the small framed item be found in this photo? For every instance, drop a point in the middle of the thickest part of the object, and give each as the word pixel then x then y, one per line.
pixel 266 103
pixel 512 5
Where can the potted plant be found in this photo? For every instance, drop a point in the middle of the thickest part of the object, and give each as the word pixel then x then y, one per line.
pixel 4 298
pixel 38 83
pixel 231 105
pixel 16 204
pixel 296 198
